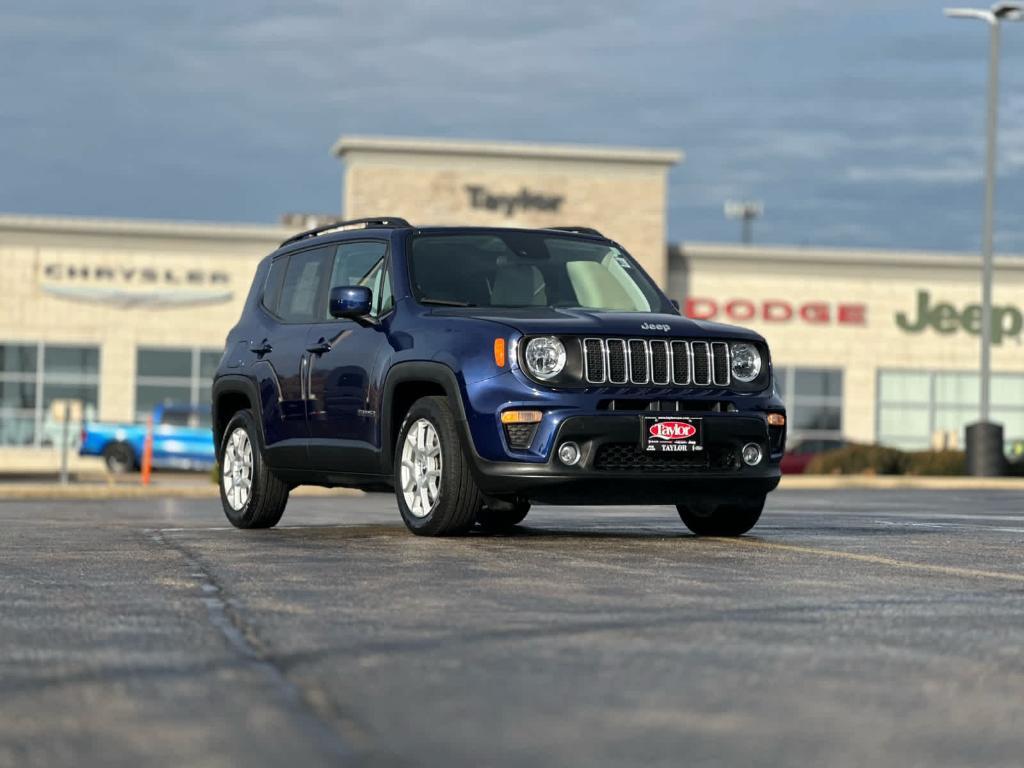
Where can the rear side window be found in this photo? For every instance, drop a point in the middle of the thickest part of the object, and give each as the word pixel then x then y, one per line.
pixel 272 287
pixel 300 293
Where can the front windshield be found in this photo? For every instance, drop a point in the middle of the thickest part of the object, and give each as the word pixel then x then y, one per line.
pixel 529 269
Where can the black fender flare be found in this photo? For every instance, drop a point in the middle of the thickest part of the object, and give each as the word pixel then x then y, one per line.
pixel 234 384
pixel 427 372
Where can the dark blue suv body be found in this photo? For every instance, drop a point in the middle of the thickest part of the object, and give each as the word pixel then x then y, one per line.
pixel 476 370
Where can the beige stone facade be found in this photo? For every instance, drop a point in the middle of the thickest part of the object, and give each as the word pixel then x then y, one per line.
pixel 841 309
pixel 117 286
pixel 621 192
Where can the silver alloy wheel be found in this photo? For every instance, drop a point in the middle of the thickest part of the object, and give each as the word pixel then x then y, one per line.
pixel 237 472
pixel 421 468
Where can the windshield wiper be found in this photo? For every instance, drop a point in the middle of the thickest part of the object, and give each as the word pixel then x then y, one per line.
pixel 445 303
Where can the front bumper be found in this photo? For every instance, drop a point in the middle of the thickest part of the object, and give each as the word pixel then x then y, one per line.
pixel 613 470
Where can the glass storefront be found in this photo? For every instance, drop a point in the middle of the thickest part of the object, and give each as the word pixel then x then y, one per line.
pixel 174 376
pixel 814 402
pixel 918 410
pixel 32 377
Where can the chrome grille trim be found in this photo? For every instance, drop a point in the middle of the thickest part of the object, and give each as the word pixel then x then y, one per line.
pixel 589 375
pixel 662 345
pixel 681 362
pixel 645 359
pixel 699 350
pixel 720 351
pixel 621 345
pixel 680 378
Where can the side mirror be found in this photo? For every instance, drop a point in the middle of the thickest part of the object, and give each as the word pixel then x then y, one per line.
pixel 350 301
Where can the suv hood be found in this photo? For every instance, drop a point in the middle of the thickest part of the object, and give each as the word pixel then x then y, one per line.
pixel 532 321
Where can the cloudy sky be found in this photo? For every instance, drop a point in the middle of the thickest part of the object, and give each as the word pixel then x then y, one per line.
pixel 857 123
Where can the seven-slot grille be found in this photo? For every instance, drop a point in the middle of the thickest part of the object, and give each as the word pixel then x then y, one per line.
pixel 658 362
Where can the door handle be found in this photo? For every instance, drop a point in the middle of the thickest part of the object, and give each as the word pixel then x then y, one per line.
pixel 264 348
pixel 322 346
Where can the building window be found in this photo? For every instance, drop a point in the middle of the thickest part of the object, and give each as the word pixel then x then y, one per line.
pixel 32 377
pixel 918 410
pixel 814 402
pixel 174 376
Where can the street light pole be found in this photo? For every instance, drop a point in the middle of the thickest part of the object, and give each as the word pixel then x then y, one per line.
pixel 993 17
pixel 746 212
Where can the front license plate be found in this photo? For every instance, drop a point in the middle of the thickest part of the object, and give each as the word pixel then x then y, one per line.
pixel 670 434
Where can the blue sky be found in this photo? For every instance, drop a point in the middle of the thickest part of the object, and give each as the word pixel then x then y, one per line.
pixel 858 123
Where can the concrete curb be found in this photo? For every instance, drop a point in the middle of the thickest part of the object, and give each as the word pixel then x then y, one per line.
pixel 903 482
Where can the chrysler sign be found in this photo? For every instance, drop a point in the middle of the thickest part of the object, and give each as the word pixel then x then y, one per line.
pixel 126 285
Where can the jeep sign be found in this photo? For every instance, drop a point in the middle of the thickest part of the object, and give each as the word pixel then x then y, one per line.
pixel 944 318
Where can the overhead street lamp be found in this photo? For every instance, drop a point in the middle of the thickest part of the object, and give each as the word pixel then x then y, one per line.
pixel 745 212
pixel 984 439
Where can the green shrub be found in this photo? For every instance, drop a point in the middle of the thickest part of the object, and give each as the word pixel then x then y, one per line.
pixel 937 463
pixel 859 460
pixel 879 460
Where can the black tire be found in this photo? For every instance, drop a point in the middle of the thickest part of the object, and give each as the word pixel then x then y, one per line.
pixel 265 502
pixel 457 500
pixel 497 520
pixel 732 518
pixel 119 458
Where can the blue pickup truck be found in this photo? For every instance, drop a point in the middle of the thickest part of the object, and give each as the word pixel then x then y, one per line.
pixel 180 441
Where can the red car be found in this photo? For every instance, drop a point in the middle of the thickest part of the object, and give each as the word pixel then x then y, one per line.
pixel 799 456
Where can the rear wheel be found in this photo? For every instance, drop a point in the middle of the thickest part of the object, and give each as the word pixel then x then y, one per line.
pixel 252 496
pixel 433 484
pixel 730 518
pixel 119 458
pixel 502 519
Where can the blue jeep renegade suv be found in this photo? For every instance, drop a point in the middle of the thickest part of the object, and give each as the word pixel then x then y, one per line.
pixel 475 370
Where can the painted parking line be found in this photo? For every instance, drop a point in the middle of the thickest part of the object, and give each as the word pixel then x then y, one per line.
pixel 907 565
pixel 953 526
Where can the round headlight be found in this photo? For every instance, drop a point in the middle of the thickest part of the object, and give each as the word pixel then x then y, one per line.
pixel 545 357
pixel 746 362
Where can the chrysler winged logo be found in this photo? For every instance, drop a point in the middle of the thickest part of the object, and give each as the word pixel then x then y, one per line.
pixel 656 327
pixel 130 286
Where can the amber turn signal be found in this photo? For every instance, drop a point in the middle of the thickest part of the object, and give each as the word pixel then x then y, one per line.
pixel 521 417
pixel 776 420
pixel 499 353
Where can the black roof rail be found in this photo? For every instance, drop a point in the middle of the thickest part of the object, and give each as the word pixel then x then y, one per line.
pixel 579 230
pixel 370 223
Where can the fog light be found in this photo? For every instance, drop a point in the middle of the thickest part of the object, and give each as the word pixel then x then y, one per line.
pixel 569 453
pixel 751 454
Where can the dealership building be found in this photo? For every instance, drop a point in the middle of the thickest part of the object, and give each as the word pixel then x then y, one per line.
pixel 872 346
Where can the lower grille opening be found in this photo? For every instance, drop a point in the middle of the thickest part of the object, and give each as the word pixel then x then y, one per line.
pixel 520 436
pixel 627 457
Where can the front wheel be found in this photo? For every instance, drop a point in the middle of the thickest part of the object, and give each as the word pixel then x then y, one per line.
pixel 434 487
pixel 731 518
pixel 250 493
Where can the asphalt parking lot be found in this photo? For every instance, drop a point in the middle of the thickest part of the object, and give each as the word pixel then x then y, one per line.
pixel 853 628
